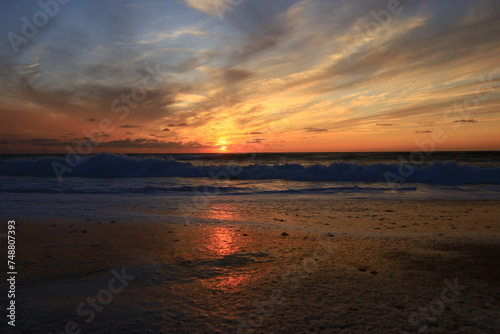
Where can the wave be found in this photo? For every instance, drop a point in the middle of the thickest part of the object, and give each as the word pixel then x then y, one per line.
pixel 209 189
pixel 96 190
pixel 198 157
pixel 106 165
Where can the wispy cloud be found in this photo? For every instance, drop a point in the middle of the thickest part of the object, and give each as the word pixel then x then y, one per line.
pixel 267 65
pixel 129 126
pixel 315 130
pixel 466 121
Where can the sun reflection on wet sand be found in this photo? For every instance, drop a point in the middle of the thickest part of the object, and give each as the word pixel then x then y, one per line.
pixel 231 283
pixel 222 211
pixel 221 241
pixel 227 244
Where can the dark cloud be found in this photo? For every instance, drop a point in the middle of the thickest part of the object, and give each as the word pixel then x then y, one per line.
pixel 91 120
pixel 465 121
pixel 315 130
pixel 264 35
pixel 44 142
pixel 234 76
pixel 256 141
pixel 125 143
pixel 253 133
pixel 385 124
pixel 166 129
pixel 129 126
pixel 152 143
pixel 425 131
pixel 3 141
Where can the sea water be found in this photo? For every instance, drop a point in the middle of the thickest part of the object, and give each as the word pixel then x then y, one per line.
pixel 35 186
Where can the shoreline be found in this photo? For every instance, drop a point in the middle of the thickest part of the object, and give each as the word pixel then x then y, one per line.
pixel 310 270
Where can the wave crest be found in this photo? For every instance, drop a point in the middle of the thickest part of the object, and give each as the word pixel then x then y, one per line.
pixel 106 165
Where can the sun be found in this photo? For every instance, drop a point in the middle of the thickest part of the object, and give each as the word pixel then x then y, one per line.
pixel 222 145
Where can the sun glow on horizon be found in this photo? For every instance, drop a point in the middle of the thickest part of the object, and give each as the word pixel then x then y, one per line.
pixel 222 145
pixel 341 80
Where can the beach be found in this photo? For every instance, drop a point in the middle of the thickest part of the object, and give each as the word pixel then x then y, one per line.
pixel 260 264
pixel 264 167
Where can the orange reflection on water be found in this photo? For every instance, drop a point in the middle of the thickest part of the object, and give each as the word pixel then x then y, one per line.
pixel 222 211
pixel 221 241
pixel 229 283
pixel 226 243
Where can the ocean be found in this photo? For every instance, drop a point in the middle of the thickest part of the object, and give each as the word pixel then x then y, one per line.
pixel 245 173
pixel 207 238
pixel 181 185
pixel 31 187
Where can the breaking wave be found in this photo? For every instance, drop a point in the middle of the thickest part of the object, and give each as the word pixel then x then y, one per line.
pixel 106 165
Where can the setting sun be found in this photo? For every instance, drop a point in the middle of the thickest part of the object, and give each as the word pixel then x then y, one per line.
pixel 222 145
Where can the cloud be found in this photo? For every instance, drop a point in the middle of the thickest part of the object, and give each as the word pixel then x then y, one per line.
pixel 214 77
pixel 152 143
pixel 44 142
pixel 425 131
pixel 165 130
pixel 123 143
pixel 256 141
pixel 207 7
pixel 315 130
pixel 465 121
pixel 234 76
pixel 3 141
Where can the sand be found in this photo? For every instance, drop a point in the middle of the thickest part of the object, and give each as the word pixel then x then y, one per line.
pixel 351 266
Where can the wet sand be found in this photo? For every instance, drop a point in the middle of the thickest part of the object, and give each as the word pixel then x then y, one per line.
pixel 350 266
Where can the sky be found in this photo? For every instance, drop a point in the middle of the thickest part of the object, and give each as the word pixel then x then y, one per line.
pixel 249 75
